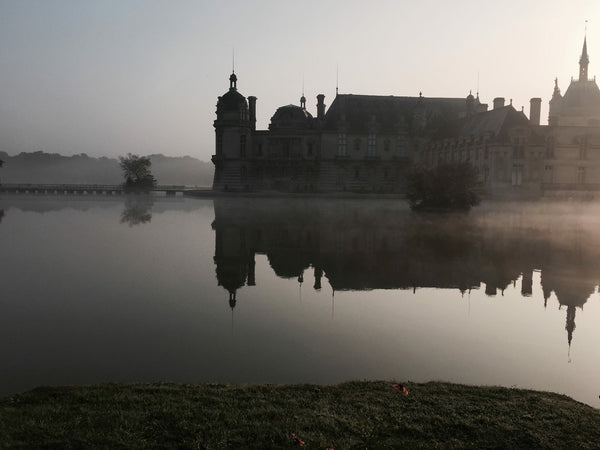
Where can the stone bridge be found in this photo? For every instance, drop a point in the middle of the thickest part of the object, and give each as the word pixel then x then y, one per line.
pixel 85 189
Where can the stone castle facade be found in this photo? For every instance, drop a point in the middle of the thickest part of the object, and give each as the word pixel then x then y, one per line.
pixel 366 143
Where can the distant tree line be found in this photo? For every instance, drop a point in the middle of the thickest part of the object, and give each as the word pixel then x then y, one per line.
pixel 52 168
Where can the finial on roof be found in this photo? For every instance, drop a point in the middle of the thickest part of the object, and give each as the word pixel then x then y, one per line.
pixel 511 102
pixel 420 94
pixel 303 98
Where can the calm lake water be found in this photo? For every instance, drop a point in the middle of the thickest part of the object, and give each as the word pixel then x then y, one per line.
pixel 298 290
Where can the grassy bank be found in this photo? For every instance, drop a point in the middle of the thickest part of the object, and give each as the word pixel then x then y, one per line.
pixel 348 415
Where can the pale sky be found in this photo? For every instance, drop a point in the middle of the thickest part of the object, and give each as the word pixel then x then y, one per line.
pixel 108 77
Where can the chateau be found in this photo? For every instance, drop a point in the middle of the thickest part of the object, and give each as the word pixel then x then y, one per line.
pixel 367 143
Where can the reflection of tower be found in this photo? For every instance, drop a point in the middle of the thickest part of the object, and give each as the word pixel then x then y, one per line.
pixel 527 283
pixel 571 288
pixel 318 276
pixel 234 260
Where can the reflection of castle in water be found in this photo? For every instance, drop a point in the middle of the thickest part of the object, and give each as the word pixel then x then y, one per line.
pixel 381 245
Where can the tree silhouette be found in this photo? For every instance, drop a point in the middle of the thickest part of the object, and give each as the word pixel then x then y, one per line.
pixel 446 186
pixel 136 171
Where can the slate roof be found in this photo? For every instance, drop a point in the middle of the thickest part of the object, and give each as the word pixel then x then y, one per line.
pixel 290 117
pixel 497 122
pixel 391 112
pixel 582 94
pixel 232 100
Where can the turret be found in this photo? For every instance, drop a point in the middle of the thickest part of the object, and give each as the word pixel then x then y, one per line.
pixel 470 104
pixel 233 138
pixel 555 105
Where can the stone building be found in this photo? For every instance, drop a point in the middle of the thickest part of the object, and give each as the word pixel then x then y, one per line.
pixel 362 143
pixel 572 160
pixel 367 143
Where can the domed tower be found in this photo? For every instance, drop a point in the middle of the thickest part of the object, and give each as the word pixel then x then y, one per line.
pixel 233 132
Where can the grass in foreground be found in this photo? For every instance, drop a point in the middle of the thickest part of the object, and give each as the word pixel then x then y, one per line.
pixel 348 415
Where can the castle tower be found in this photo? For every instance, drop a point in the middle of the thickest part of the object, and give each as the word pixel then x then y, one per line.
pixel 233 139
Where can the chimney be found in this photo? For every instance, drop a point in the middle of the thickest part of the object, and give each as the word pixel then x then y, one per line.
pixel 320 106
pixel 535 106
pixel 252 108
pixel 498 102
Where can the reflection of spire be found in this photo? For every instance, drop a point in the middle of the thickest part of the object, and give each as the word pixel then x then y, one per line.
pixel 232 302
pixel 570 326
pixel 231 320
pixel 332 304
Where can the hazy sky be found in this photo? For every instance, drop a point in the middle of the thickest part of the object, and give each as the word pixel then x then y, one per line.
pixel 107 77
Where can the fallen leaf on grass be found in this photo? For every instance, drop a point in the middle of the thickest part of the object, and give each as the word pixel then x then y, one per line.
pixel 299 441
pixel 400 387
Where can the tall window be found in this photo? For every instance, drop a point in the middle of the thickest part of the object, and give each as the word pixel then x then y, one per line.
pixel 400 145
pixel 550 147
pixel 548 174
pixel 341 144
pixel 372 145
pixel 243 146
pixel 583 146
pixel 517 175
pixel 581 175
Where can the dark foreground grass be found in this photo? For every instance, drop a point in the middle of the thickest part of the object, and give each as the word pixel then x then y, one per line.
pixel 344 416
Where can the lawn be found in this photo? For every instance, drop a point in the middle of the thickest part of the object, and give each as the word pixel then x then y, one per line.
pixel 344 416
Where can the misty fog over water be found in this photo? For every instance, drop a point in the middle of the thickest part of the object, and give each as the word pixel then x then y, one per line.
pixel 298 290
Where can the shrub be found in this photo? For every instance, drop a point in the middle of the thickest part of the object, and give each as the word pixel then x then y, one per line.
pixel 445 186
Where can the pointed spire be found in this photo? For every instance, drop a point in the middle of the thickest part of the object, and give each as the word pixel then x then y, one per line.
pixel 584 60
